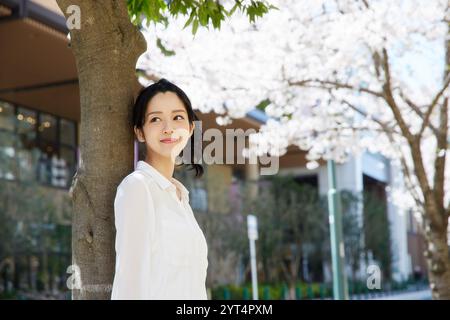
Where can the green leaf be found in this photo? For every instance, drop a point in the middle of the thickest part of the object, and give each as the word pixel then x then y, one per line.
pixel 236 6
pixel 216 19
pixel 263 104
pixel 191 17
pixel 200 11
pixel 256 9
pixel 163 49
pixel 195 26
pixel 203 16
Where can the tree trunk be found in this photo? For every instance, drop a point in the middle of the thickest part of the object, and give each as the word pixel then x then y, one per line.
pixel 437 251
pixel 438 262
pixel 106 49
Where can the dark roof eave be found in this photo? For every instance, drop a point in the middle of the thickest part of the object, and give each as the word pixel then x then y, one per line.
pixel 28 9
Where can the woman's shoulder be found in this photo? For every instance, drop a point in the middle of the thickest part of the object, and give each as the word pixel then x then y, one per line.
pixel 136 180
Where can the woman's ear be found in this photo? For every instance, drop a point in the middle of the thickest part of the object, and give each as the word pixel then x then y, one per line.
pixel 139 134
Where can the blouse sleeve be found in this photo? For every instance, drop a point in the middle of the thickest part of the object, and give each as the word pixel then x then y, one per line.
pixel 135 221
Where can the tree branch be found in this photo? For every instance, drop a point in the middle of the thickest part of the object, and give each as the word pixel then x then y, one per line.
pixel 385 127
pixel 417 110
pixel 406 171
pixel 426 119
pixel 415 147
pixel 329 84
pixel 388 96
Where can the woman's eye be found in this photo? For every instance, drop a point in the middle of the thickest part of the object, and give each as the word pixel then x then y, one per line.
pixel 178 117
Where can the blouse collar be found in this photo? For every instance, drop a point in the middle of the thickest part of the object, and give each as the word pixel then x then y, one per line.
pixel 162 181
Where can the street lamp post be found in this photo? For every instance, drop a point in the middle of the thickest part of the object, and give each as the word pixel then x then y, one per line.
pixel 340 291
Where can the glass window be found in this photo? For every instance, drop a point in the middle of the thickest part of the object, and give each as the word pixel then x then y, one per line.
pixel 43 168
pixel 26 128
pixel 67 133
pixel 47 127
pixel 58 172
pixel 27 160
pixel 6 116
pixel 67 166
pixel 48 147
pixel 7 155
pixel 48 151
pixel 30 147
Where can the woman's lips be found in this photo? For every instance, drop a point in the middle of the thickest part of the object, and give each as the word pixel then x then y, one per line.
pixel 169 140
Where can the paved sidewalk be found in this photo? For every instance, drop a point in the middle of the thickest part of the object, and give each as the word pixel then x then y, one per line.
pixel 414 295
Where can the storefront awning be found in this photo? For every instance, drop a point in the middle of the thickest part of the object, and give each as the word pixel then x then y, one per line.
pixel 38 68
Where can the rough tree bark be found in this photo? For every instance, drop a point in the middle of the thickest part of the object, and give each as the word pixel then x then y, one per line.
pixel 435 215
pixel 106 49
pixel 436 230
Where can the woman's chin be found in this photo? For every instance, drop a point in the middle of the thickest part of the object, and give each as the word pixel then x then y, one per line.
pixel 167 150
pixel 171 154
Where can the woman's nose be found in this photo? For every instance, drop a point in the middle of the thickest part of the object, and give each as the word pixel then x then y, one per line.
pixel 167 129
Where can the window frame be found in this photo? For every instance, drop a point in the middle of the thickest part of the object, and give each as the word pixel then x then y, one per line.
pixel 38 141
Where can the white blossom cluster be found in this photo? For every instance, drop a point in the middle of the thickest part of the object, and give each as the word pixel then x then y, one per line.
pixel 320 63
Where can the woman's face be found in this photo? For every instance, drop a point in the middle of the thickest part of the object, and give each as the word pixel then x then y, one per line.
pixel 166 128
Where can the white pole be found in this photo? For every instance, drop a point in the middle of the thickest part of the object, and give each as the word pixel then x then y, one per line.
pixel 252 228
pixel 253 264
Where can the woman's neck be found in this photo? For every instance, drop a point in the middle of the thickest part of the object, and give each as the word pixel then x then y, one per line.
pixel 164 165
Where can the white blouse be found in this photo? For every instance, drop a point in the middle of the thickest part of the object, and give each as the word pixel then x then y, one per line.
pixel 161 252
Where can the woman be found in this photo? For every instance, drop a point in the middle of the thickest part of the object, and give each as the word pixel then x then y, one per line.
pixel 161 252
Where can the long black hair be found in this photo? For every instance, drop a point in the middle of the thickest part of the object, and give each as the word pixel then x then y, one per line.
pixel 140 108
